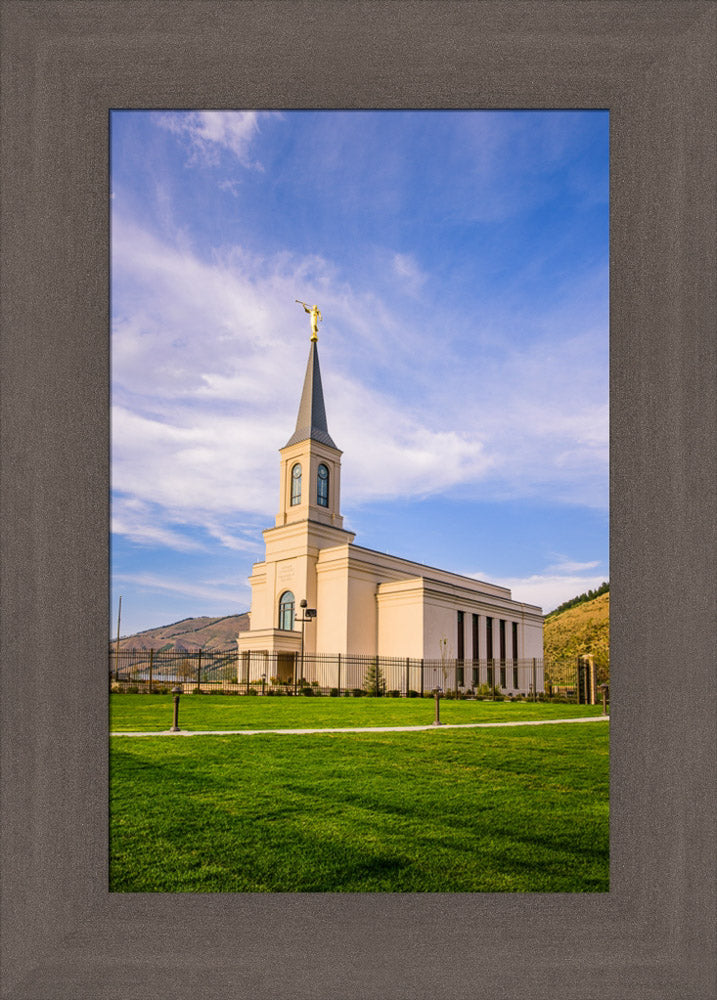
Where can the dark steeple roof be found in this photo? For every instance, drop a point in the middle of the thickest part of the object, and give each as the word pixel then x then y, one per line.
pixel 311 421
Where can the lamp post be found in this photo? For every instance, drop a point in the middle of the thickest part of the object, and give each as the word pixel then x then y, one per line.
pixel 176 691
pixel 308 615
pixel 437 720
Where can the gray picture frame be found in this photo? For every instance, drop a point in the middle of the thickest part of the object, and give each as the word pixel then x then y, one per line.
pixel 64 65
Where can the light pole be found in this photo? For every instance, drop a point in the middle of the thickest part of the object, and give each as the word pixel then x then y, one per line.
pixel 176 691
pixel 309 614
pixel 437 720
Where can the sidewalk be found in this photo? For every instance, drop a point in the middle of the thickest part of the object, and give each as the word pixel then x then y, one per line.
pixel 367 729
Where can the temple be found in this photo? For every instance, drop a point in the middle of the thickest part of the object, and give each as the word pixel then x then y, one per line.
pixel 369 603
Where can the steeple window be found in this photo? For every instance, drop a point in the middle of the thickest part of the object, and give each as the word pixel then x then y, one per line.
pixel 286 611
pixel 296 484
pixel 322 487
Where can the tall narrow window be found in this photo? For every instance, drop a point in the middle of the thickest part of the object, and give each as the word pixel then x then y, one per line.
pixel 515 654
pixel 296 485
pixel 476 648
pixel 461 644
pixel 322 487
pixel 489 651
pixel 286 611
pixel 501 633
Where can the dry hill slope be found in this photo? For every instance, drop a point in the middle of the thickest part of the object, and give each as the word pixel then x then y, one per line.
pixel 580 630
pixel 190 634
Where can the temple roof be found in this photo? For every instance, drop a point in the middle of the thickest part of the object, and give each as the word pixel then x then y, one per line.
pixel 311 421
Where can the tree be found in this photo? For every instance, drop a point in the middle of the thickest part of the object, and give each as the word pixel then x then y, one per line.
pixel 374 682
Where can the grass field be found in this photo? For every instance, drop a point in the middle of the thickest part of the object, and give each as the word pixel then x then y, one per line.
pixel 153 713
pixel 474 810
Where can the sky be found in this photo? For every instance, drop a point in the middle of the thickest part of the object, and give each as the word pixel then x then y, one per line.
pixel 460 263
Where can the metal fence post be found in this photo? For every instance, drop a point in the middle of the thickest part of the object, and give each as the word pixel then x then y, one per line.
pixel 408 675
pixel 338 679
pixel 199 670
pixel 535 679
pixel 423 663
pixel 151 661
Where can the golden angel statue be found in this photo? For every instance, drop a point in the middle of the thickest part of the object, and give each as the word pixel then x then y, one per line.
pixel 313 311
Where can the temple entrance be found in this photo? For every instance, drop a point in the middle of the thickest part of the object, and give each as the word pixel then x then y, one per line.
pixel 285 667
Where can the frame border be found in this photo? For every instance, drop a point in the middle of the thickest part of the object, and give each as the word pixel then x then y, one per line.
pixel 65 64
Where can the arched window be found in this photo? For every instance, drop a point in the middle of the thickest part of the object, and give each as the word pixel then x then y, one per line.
pixel 286 611
pixel 322 487
pixel 296 485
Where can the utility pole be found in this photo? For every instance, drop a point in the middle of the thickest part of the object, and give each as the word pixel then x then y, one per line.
pixel 119 615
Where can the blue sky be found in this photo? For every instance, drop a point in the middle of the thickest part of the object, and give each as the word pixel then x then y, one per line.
pixel 460 262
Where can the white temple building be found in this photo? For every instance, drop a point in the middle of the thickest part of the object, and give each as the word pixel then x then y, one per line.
pixel 369 603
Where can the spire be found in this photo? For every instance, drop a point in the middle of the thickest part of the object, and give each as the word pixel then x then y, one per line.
pixel 311 421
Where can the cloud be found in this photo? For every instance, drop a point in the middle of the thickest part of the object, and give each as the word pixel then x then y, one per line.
pixel 409 274
pixel 218 591
pixel 208 133
pixel 208 355
pixel 548 589
pixel 145 524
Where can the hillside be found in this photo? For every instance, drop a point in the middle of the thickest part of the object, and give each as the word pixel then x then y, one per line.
pixel 582 629
pixel 189 634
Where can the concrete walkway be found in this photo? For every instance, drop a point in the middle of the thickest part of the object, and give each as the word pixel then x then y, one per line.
pixel 366 729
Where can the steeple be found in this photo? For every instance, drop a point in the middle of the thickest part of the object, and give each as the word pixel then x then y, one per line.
pixel 311 420
pixel 310 461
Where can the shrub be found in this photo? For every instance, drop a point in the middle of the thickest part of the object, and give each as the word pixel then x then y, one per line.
pixel 413 694
pixel 358 692
pixel 252 691
pixel 132 689
pixel 374 682
pixel 393 694
pixel 334 693
pixel 307 691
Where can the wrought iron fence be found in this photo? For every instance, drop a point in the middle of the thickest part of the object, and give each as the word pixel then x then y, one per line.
pixel 265 673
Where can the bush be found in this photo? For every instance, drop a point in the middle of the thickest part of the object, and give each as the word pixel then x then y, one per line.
pixel 393 694
pixel 334 693
pixel 132 689
pixel 358 692
pixel 374 682
pixel 252 691
pixel 413 694
pixel 309 691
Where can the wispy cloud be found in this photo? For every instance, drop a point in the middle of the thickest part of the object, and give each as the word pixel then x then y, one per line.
pixel 219 591
pixel 408 272
pixel 549 589
pixel 206 376
pixel 147 524
pixel 208 133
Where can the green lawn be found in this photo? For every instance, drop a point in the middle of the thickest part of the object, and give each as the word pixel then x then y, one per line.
pixel 476 810
pixel 153 713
